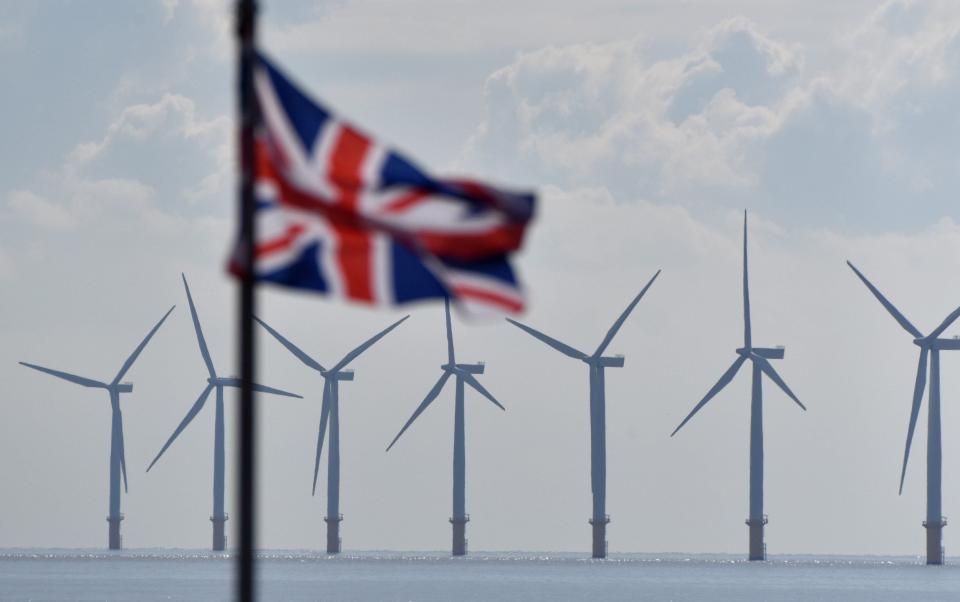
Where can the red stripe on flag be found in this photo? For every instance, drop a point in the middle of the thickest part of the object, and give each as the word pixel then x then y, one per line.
pixel 469 246
pixel 345 160
pixel 354 249
pixel 263 161
pixel 282 242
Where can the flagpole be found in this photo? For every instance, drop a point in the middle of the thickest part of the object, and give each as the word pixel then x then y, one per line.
pixel 246 490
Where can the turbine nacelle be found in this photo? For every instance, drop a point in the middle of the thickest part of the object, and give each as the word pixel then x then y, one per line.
pixel 938 344
pixel 770 353
pixel 339 375
pixel 468 368
pixel 126 387
pixel 606 361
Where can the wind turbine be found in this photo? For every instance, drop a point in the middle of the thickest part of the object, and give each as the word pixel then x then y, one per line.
pixel 598 412
pixel 464 376
pixel 330 415
pixel 118 463
pixel 214 383
pixel 759 356
pixel 930 346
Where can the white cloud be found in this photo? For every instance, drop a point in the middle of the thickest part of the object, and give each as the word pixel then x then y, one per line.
pixel 169 9
pixel 40 211
pixel 598 111
pixel 89 189
pixel 82 202
pixel 171 115
pixel 902 44
pixel 740 121
pixel 378 25
pixel 216 17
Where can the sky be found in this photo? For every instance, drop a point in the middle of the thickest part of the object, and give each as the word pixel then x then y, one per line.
pixel 646 127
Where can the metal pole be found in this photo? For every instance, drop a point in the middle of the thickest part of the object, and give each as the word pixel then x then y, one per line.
pixel 246 29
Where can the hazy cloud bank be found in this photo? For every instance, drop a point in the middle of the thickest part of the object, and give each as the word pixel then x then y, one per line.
pixel 740 121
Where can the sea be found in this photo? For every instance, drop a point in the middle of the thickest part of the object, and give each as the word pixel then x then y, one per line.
pixel 166 574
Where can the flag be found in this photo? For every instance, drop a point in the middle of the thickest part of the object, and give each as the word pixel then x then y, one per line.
pixel 341 214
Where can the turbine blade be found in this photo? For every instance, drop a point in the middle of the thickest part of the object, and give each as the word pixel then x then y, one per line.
pixel 723 382
pixel 450 356
pixel 769 371
pixel 423 405
pixel 194 409
pixel 265 389
pixel 324 416
pixel 235 382
pixel 366 345
pixel 945 324
pixel 899 317
pixel 140 348
pixel 747 335
pixel 623 317
pixel 80 380
pixel 914 410
pixel 473 382
pixel 561 347
pixel 123 454
pixel 303 357
pixel 196 326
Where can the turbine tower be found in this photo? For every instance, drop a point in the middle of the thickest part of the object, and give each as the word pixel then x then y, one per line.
pixel 930 347
pixel 598 412
pixel 759 356
pixel 118 463
pixel 214 383
pixel 330 417
pixel 464 376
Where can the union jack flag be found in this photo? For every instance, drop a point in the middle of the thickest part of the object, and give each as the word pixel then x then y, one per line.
pixel 341 214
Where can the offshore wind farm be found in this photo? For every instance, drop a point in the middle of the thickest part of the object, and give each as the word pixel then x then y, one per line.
pixel 465 375
pixel 635 568
pixel 574 211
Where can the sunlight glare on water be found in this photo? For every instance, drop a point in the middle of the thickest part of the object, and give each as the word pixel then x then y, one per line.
pixel 149 575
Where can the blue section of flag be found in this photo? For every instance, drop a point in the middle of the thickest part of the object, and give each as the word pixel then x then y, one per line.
pixel 306 117
pixel 398 171
pixel 411 279
pixel 302 272
pixel 497 268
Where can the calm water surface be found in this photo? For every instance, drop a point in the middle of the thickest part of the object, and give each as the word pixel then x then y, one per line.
pixel 149 575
